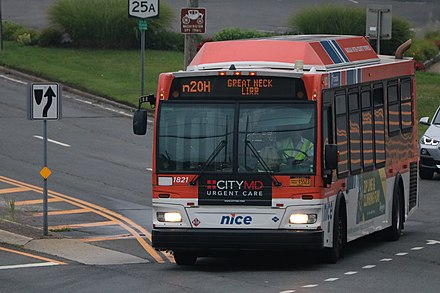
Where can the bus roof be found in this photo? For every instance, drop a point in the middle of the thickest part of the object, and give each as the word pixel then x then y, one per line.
pixel 307 52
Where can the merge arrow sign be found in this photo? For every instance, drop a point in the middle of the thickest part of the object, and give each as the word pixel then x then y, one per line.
pixel 44 101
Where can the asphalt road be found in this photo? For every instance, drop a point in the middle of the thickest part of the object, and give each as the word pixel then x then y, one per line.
pixel 266 15
pixel 106 165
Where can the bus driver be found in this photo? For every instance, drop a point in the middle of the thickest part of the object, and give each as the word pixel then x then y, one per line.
pixel 294 147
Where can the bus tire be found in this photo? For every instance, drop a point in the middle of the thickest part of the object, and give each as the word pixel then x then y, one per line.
pixel 185 258
pixel 393 233
pixel 333 254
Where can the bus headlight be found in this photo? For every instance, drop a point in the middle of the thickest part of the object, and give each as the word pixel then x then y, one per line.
pixel 303 218
pixel 173 217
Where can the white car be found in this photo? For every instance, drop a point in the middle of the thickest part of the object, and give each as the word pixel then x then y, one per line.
pixel 429 147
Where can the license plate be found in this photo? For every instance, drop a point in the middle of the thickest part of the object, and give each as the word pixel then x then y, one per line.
pixel 300 181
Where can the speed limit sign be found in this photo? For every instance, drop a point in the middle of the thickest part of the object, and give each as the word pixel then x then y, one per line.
pixel 143 8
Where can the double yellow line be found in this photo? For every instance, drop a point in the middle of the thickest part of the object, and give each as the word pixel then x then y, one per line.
pixel 112 216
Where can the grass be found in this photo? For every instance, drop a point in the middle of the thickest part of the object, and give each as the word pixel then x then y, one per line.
pixel 428 96
pixel 116 73
pixel 9 210
pixel 59 230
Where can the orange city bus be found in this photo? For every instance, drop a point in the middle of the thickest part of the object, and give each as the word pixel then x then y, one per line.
pixel 222 179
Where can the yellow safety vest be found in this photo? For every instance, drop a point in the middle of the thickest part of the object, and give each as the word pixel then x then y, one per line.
pixel 305 146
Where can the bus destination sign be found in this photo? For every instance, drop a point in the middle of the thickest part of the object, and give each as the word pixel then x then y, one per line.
pixel 235 87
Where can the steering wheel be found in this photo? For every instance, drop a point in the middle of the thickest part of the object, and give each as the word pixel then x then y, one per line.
pixel 290 158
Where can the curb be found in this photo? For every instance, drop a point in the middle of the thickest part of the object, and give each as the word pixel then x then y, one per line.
pixel 71 249
pixel 432 61
pixel 14 239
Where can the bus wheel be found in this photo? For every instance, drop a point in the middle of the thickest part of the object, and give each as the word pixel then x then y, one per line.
pixel 333 254
pixel 393 233
pixel 185 258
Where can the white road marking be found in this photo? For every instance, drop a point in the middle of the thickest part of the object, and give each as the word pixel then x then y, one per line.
pixel 353 1
pixel 402 253
pixel 99 106
pixel 429 242
pixel 310 286
pixel 53 141
pixel 12 79
pixel 115 111
pixel 83 101
pixel 30 265
pixel 417 248
pixel 149 169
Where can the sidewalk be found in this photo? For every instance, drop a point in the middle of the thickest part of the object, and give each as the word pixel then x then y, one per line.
pixel 72 249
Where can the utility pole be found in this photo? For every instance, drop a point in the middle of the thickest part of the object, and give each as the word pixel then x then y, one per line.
pixel 190 40
pixel 1 27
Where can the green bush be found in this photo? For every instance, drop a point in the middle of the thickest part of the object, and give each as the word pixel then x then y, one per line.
pixel 422 50
pixel 434 36
pixel 50 37
pixel 165 40
pixel 329 19
pixel 103 23
pixel 238 34
pixel 18 33
pixel 346 20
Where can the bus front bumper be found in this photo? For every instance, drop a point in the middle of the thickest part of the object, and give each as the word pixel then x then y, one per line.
pixel 225 239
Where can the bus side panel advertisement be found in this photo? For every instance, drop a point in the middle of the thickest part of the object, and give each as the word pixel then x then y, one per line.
pixel 235 190
pixel 371 196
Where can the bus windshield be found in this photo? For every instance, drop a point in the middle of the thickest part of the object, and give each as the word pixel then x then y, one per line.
pixel 268 137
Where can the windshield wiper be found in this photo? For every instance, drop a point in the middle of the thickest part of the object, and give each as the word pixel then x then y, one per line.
pixel 262 162
pixel 211 158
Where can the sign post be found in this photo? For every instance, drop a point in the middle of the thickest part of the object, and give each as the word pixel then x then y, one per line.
pixel 44 103
pixel 143 9
pixel 379 22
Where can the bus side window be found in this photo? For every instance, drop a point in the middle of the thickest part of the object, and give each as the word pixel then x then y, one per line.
pixel 355 132
pixel 341 133
pixel 393 109
pixel 379 125
pixel 367 129
pixel 406 106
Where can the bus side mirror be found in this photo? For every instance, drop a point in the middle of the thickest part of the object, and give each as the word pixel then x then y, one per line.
pixel 331 156
pixel 331 162
pixel 140 122
pixel 140 116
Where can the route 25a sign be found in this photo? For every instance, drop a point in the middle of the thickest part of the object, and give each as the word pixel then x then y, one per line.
pixel 44 101
pixel 143 8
